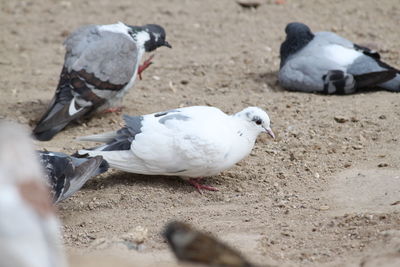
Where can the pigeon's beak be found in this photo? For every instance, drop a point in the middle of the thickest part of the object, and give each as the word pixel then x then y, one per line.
pixel 270 132
pixel 167 44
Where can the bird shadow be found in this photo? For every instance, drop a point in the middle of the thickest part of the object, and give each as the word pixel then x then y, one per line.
pixel 28 112
pixel 140 181
pixel 269 78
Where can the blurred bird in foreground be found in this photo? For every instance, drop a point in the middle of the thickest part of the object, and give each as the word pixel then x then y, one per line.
pixel 29 228
pixel 190 245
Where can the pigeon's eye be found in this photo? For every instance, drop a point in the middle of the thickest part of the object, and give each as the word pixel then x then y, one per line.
pixel 259 122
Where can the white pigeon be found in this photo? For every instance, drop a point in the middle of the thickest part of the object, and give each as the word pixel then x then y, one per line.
pixel 191 142
pixel 101 64
pixel 327 63
pixel 29 228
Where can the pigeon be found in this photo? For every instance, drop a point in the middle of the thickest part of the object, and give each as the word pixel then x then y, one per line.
pixel 193 246
pixel 326 63
pixel 29 229
pixel 191 142
pixel 101 64
pixel 67 174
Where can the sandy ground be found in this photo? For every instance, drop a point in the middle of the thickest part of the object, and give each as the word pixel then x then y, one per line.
pixel 325 193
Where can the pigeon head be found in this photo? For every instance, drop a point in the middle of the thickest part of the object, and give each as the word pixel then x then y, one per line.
pixel 157 37
pixel 298 35
pixel 150 36
pixel 257 120
pixel 297 28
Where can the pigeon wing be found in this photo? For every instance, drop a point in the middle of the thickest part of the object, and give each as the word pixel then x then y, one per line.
pixel 362 63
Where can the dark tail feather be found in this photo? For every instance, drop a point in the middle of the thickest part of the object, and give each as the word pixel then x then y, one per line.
pixel 392 85
pixel 373 78
pixel 48 134
pixel 103 167
pixel 55 119
pixel 82 173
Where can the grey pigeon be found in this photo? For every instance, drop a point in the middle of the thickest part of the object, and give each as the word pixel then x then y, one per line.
pixel 67 174
pixel 101 64
pixel 191 142
pixel 326 63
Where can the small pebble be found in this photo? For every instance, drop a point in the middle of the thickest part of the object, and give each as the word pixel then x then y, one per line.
pixel 339 119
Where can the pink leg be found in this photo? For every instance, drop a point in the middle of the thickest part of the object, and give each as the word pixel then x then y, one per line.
pixel 199 187
pixel 144 66
pixel 116 109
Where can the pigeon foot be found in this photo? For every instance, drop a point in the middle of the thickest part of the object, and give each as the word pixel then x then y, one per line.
pixel 199 187
pixel 144 66
pixel 115 109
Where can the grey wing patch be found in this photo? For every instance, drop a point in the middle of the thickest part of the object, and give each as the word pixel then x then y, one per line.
pixel 125 136
pixel 160 114
pixel 298 75
pixel 134 124
pixel 118 58
pixel 327 38
pixel 179 117
pixel 78 41
pixel 368 63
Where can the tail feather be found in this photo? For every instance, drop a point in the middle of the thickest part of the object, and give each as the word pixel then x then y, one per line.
pixel 103 137
pixel 56 118
pixel 121 160
pixel 82 173
pixel 67 174
pixel 392 85
pixel 340 82
pixel 374 78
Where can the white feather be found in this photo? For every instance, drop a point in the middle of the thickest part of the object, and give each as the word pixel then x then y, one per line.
pixel 72 109
pixel 341 55
pixel 117 28
pixel 103 137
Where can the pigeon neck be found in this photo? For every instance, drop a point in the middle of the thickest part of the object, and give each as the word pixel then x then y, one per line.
pixel 293 44
pixel 245 129
pixel 141 37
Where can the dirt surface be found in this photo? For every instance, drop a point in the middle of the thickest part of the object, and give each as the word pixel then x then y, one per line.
pixel 325 192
